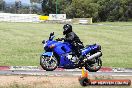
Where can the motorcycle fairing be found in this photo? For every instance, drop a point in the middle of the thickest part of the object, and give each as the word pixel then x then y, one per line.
pixel 89 49
pixel 47 54
pixel 61 48
pixel 65 62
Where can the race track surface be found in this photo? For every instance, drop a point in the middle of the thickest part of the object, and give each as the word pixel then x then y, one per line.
pixel 60 73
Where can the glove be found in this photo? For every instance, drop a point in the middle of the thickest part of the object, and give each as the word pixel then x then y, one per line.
pixel 59 39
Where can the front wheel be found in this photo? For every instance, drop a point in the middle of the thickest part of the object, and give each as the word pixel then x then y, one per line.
pixel 93 67
pixel 48 63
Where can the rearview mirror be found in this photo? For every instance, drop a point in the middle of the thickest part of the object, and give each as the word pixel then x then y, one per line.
pixel 52 33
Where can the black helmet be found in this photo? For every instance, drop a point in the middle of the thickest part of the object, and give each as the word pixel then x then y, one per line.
pixel 67 29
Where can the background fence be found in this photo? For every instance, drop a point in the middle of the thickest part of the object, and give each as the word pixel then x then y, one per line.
pixel 52 18
pixel 7 17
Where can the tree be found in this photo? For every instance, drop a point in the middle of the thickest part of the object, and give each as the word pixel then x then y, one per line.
pixel 82 9
pixel 17 6
pixel 2 3
pixel 36 1
pixel 129 11
pixel 114 10
pixel 99 10
pixel 48 6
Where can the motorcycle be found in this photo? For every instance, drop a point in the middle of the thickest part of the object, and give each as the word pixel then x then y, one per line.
pixel 58 54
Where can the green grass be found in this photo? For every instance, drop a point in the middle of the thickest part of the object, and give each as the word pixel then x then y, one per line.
pixel 20 43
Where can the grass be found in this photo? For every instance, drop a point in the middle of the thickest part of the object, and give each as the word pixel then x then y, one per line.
pixel 20 43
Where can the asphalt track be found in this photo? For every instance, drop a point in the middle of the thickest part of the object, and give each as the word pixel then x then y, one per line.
pixel 60 73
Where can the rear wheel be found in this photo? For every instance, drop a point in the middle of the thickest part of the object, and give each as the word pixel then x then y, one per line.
pixel 95 65
pixel 48 63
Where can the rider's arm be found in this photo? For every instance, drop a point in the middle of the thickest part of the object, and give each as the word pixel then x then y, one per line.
pixel 70 37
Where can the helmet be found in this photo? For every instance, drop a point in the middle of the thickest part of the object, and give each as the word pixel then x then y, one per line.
pixel 67 29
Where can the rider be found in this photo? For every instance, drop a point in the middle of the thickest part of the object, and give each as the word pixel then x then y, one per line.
pixel 72 38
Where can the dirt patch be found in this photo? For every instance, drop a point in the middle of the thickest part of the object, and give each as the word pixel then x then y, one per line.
pixel 43 81
pixel 39 81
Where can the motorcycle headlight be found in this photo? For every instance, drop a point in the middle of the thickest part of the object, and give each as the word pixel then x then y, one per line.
pixel 44 43
pixel 52 46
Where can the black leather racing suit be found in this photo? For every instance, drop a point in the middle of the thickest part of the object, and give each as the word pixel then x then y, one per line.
pixel 73 39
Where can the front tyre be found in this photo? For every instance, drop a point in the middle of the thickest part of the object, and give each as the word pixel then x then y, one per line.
pixel 94 67
pixel 48 63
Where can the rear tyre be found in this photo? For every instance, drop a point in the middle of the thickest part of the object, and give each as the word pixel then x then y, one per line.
pixel 94 67
pixel 48 63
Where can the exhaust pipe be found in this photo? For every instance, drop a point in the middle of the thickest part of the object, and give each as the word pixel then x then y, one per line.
pixel 98 54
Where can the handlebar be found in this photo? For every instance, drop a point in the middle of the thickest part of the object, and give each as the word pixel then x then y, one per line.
pixel 59 39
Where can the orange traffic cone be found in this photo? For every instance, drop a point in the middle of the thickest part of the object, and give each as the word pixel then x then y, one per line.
pixel 84 73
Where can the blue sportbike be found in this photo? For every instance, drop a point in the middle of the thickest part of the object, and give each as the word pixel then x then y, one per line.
pixel 60 54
